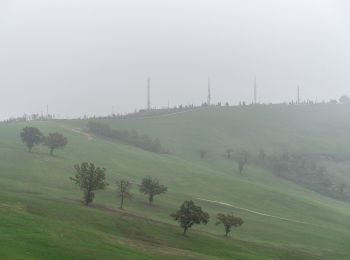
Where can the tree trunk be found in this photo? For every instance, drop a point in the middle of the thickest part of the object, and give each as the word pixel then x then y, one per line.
pixel 227 231
pixel 121 202
pixel 86 197
pixel 150 199
pixel 185 230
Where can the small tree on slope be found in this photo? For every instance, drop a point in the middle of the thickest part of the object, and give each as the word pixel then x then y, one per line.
pixel 190 214
pixel 228 152
pixel 31 136
pixel 54 141
pixel 151 187
pixel 228 221
pixel 123 191
pixel 202 153
pixel 89 178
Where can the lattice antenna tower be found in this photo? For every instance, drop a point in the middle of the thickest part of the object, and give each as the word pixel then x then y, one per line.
pixel 149 94
pixel 209 93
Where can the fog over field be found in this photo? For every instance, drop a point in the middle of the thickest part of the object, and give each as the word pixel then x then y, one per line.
pixel 175 129
pixel 85 57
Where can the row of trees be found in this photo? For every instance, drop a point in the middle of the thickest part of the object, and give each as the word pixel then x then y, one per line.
pixel 129 137
pixel 344 99
pixel 305 170
pixel 91 178
pixel 29 117
pixel 32 136
pixel 190 214
pixel 166 110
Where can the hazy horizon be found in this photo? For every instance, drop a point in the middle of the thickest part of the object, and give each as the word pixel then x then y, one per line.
pixel 85 57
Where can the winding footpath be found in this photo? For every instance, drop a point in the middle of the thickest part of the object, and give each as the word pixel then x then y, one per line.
pixel 254 212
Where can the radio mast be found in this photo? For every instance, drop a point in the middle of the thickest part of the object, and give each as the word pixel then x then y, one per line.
pixel 209 94
pixel 255 90
pixel 298 97
pixel 149 94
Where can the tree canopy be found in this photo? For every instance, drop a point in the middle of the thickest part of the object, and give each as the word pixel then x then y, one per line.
pixel 151 187
pixel 190 214
pixel 54 141
pixel 89 178
pixel 229 221
pixel 31 136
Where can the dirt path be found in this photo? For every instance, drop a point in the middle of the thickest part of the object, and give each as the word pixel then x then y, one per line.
pixel 254 212
pixel 88 136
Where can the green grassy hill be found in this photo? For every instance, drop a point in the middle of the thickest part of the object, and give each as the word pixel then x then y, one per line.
pixel 42 216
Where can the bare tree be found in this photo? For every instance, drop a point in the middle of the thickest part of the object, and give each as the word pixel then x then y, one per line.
pixel 262 154
pixel 342 186
pixel 242 160
pixel 124 191
pixel 241 164
pixel 228 152
pixel 202 153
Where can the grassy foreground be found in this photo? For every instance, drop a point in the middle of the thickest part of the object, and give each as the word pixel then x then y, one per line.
pixel 42 217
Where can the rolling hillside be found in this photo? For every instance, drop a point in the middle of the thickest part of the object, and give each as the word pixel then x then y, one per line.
pixel 42 216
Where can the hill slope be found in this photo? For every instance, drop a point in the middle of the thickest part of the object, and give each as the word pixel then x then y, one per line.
pixel 43 217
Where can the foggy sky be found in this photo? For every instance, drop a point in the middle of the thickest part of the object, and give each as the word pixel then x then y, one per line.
pixel 84 56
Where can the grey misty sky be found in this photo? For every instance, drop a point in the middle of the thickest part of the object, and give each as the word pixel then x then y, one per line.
pixel 83 56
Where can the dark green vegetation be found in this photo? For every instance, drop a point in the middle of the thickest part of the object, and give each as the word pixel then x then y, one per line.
pixel 229 221
pixel 310 172
pixel 190 214
pixel 129 137
pixel 151 187
pixel 54 141
pixel 41 214
pixel 31 136
pixel 89 178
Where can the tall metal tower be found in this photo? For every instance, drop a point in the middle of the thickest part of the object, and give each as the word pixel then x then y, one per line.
pixel 298 93
pixel 209 93
pixel 255 90
pixel 149 94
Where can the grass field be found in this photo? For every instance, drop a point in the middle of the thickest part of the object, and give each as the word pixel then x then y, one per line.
pixel 42 217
